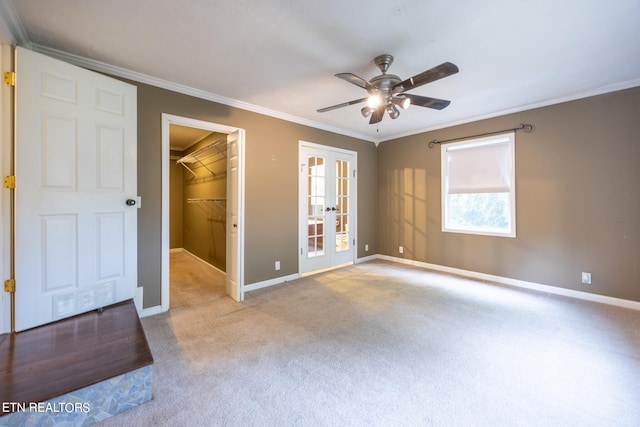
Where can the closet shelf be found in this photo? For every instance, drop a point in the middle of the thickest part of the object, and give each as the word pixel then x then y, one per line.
pixel 210 203
pixel 205 156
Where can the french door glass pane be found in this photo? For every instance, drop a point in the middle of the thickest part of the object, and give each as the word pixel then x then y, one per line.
pixel 342 205
pixel 316 181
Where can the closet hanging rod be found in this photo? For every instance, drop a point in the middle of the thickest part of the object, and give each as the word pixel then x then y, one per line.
pixel 201 154
pixel 525 127
pixel 204 152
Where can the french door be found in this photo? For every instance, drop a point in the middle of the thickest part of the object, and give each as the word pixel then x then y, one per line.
pixel 326 207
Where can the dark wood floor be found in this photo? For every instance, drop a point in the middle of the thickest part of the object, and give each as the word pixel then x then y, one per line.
pixel 55 359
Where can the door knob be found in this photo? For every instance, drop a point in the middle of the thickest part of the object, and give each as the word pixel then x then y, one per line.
pixel 130 202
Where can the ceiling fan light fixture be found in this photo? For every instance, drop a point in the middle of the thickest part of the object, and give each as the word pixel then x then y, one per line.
pixel 386 92
pixel 402 102
pixel 373 101
pixel 393 111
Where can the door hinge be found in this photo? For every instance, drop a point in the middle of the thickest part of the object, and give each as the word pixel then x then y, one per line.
pixel 10 78
pixel 354 173
pixel 10 181
pixel 10 285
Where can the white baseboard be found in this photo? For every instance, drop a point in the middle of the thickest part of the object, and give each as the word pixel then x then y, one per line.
pixel 151 311
pixel 367 258
pixel 634 305
pixel 619 302
pixel 270 282
pixel 137 300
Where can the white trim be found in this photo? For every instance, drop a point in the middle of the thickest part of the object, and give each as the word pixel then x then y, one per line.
pixel 167 120
pixel 366 259
pixel 619 302
pixel 546 103
pixel 270 282
pixel 316 146
pixel 151 311
pixel 187 90
pixel 138 299
pixel 6 168
pixel 11 26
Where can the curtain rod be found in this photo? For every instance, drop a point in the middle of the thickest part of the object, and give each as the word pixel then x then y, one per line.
pixel 525 127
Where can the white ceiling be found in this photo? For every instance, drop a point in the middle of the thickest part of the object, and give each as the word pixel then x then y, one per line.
pixel 279 57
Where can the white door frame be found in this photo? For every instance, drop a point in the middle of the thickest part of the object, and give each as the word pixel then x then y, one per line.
pixel 6 166
pixel 167 121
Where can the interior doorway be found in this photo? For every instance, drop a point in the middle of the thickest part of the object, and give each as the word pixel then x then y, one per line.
pixel 197 215
pixel 207 164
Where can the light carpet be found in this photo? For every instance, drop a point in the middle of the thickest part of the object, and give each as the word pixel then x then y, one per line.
pixel 382 344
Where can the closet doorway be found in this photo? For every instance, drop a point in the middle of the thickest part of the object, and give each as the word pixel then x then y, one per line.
pixel 202 202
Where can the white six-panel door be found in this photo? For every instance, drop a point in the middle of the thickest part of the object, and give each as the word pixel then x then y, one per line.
pixel 76 166
pixel 235 209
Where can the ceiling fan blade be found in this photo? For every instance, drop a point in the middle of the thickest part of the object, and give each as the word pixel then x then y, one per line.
pixel 376 116
pixel 358 81
pixel 425 101
pixel 436 73
pixel 344 104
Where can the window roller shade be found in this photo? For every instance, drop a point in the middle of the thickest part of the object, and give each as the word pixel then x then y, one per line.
pixel 480 169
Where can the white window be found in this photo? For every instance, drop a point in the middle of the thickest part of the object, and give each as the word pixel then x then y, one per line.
pixel 478 186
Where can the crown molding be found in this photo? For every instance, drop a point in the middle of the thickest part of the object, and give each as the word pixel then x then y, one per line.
pixel 11 26
pixel 546 103
pixel 113 70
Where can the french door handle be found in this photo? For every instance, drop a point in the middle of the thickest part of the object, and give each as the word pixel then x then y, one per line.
pixel 131 202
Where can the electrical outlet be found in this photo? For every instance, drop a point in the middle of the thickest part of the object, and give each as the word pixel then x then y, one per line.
pixel 366 248
pixel 277 265
pixel 586 278
pixel 401 249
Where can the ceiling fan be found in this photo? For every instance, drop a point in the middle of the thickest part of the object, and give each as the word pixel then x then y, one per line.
pixel 388 91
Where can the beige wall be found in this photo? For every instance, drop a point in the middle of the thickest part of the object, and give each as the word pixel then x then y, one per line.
pixel 271 188
pixel 578 207
pixel 578 201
